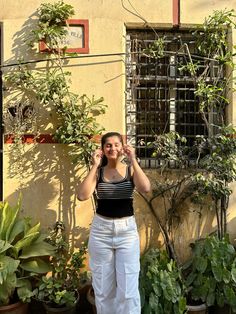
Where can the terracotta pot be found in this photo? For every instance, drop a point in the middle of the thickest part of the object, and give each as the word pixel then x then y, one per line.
pixel 16 308
pixel 197 309
pixel 91 299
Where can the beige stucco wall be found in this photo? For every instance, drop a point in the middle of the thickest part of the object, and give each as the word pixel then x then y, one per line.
pixel 49 188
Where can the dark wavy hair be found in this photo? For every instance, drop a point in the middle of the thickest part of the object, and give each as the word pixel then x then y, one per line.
pixel 103 142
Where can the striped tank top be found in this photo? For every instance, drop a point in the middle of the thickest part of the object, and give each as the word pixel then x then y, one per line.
pixel 115 199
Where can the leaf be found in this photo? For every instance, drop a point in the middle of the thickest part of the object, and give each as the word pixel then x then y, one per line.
pixel 7 289
pixel 8 268
pixel 17 229
pixel 217 272
pixel 37 265
pixel 4 246
pixel 229 294
pixel 24 289
pixel 8 218
pixel 226 275
pixel 41 248
pixel 201 264
pixel 31 235
pixel 210 300
pixel 233 273
pixel 191 277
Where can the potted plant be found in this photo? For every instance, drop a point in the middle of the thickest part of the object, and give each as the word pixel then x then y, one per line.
pixel 161 286
pixel 59 290
pixel 22 258
pixel 212 275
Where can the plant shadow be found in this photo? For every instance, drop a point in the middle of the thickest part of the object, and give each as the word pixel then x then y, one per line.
pixel 42 172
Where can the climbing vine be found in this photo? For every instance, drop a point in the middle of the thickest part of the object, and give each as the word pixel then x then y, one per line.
pixel 50 88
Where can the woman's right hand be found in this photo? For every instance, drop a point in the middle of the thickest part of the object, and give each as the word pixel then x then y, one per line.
pixel 97 157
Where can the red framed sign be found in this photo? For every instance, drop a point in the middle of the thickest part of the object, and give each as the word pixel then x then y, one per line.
pixel 77 39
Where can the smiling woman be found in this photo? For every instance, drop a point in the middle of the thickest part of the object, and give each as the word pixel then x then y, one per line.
pixel 114 240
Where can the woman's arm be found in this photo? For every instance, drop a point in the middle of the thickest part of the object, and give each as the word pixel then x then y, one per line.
pixel 87 186
pixel 141 181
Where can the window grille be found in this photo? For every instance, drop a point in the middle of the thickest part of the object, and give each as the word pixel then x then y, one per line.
pixel 159 95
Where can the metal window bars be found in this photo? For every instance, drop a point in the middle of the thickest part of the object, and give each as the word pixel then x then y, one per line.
pixel 160 96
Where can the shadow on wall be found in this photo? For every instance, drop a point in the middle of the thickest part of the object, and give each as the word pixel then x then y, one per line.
pixel 21 50
pixel 49 178
pixel 43 173
pixel 192 222
pixel 150 235
pixel 231 230
pixel 184 221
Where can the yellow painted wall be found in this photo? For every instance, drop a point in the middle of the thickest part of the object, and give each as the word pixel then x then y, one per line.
pixel 49 189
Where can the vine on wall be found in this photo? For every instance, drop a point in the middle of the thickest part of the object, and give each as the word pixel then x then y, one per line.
pixel 215 154
pixel 76 114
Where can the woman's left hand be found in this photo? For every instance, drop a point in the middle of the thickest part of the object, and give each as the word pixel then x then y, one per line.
pixel 129 151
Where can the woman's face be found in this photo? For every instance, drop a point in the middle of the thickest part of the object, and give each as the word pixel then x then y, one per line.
pixel 113 147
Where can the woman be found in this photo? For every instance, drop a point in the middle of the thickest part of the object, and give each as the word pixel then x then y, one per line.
pixel 114 241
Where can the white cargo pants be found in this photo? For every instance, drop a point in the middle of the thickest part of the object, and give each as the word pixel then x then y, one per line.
pixel 114 261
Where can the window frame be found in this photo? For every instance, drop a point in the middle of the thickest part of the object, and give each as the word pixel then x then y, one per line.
pixel 172 82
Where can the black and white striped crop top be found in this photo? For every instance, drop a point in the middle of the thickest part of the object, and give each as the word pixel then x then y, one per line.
pixel 115 199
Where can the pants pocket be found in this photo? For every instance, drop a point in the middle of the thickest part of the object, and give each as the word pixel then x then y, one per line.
pixel 128 279
pixel 97 277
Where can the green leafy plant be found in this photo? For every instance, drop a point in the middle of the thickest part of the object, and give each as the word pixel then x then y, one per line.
pixel 206 168
pixel 76 115
pixel 212 276
pixel 156 49
pixel 214 32
pixel 161 286
pixel 24 255
pixel 60 289
pixel 51 26
pixel 217 171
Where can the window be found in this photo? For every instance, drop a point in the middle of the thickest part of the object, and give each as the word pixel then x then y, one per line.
pixel 160 96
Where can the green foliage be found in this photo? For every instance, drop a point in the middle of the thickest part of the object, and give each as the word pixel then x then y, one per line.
pixel 170 147
pixel 156 49
pixel 219 164
pixel 51 26
pixel 210 175
pixel 212 39
pixel 55 13
pixel 22 254
pixel 212 44
pixel 161 286
pixel 77 124
pixel 76 114
pixel 60 289
pixel 217 169
pixel 212 272
pixel 210 96
pixel 208 167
